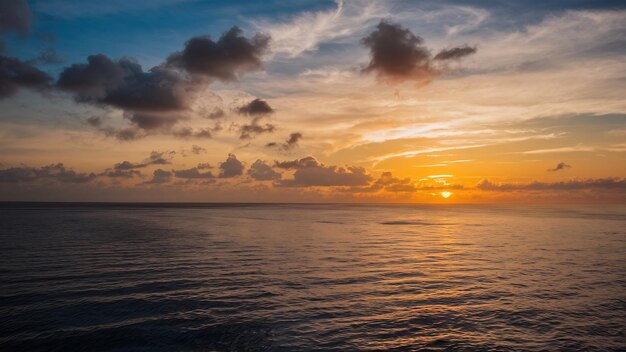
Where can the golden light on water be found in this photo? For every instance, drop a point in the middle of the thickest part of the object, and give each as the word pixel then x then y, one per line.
pixel 446 194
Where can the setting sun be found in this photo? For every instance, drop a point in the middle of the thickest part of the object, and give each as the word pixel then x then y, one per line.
pixel 446 194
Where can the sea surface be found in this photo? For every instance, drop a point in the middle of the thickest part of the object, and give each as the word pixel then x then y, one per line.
pixel 193 277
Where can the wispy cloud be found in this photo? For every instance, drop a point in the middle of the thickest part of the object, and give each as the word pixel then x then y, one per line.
pixel 426 151
pixel 306 31
pixel 578 148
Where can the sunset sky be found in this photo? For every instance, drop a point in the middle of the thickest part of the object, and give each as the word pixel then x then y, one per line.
pixel 313 101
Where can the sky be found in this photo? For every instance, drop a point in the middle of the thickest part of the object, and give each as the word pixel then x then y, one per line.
pixel 313 101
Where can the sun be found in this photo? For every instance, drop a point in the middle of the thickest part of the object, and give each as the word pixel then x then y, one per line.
pixel 446 194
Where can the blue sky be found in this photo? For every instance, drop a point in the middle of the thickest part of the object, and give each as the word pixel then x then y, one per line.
pixel 145 30
pixel 150 30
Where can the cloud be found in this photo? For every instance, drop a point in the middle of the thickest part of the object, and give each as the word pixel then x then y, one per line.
pixel 290 143
pixel 16 74
pixel 15 16
pixel 306 31
pixel 116 173
pixel 154 101
pixel 599 183
pixel 160 176
pixel 154 121
pixel 187 132
pixel 226 60
pixel 254 128
pixel 398 55
pixel 124 84
pixel 231 167
pixel 155 158
pixel 388 183
pixel 560 166
pixel 455 53
pixel 260 171
pixel 308 161
pixel 394 184
pixel 255 107
pixel 193 173
pixel 123 134
pixel 321 175
pixel 55 172
pixel 127 165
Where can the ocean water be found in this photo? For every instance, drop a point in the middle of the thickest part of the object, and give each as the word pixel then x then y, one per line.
pixel 312 278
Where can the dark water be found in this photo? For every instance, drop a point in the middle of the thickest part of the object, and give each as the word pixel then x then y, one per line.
pixel 312 278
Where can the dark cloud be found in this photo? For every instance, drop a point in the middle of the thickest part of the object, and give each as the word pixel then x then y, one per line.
pixel 260 171
pixel 290 143
pixel 156 90
pixel 193 173
pixel 16 74
pixel 394 184
pixel 255 107
pixel 600 183
pixel 94 80
pixel 154 121
pixel 161 158
pixel 560 166
pixel 254 128
pixel 55 172
pixel 187 132
pixel 387 182
pixel 154 101
pixel 133 133
pixel 123 134
pixel 322 175
pixel 294 138
pixel 160 176
pixel 120 173
pixel 455 53
pixel 15 16
pixel 227 59
pixel 231 167
pixel 124 84
pixel 155 158
pixel 127 165
pixel 308 161
pixel 397 54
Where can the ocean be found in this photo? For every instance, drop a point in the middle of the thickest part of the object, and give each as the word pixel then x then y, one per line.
pixel 332 277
